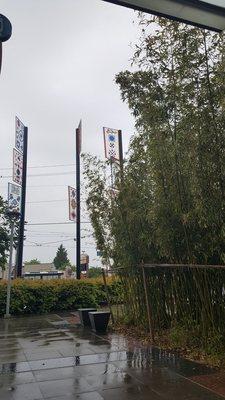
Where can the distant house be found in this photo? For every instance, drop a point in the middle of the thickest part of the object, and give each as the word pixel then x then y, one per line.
pixel 41 271
pixel 45 267
pixel 36 271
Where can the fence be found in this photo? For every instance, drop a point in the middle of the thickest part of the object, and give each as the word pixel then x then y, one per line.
pixel 160 296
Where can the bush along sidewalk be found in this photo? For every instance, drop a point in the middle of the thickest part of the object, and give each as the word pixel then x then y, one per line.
pixel 37 297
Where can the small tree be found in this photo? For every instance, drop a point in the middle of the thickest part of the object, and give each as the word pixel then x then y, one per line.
pixel 32 262
pixel 61 259
pixel 94 272
pixel 5 233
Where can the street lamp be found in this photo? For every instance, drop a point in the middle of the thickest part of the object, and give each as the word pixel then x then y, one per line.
pixel 5 33
pixel 209 14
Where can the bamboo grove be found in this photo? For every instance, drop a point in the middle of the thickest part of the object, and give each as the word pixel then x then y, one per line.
pixel 170 206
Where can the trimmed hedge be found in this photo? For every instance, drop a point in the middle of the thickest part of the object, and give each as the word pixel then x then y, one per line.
pixel 44 296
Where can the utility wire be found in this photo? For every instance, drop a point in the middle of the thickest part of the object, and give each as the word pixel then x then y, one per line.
pixel 56 232
pixel 57 223
pixel 42 166
pixel 57 241
pixel 68 248
pixel 50 201
pixel 52 235
pixel 44 174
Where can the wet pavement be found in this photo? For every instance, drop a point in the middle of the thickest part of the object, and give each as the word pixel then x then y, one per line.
pixel 52 357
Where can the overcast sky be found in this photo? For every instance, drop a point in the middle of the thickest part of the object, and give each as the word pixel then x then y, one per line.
pixel 59 66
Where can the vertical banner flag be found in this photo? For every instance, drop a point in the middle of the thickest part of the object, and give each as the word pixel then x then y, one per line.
pixel 17 167
pixel 113 192
pixel 14 197
pixel 19 135
pixel 111 142
pixel 79 136
pixel 72 203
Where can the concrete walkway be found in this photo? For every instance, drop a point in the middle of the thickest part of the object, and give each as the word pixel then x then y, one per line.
pixel 48 357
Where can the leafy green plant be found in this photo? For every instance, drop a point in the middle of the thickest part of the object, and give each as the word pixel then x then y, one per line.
pixel 170 202
pixel 36 297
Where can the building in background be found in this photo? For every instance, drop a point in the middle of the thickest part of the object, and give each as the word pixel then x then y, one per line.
pixel 36 271
pixel 41 271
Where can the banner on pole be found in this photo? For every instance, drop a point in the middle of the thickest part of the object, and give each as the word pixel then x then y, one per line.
pixel 19 135
pixel 14 197
pixel 111 143
pixel 79 131
pixel 72 203
pixel 17 167
pixel 113 192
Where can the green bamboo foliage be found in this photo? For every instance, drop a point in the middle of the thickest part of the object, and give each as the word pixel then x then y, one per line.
pixel 171 203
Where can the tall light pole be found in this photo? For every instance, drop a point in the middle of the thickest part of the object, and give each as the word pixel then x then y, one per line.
pixel 13 216
pixel 5 33
pixel 78 151
pixel 23 204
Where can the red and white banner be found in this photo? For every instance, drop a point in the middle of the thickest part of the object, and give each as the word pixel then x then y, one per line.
pixel 72 203
pixel 19 142
pixel 14 197
pixel 111 142
pixel 113 192
pixel 17 167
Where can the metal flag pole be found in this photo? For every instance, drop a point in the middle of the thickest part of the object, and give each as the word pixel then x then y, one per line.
pixel 23 204
pixel 120 153
pixel 13 216
pixel 111 173
pixel 7 314
pixel 78 246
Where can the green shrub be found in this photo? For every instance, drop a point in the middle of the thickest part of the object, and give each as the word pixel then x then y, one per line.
pixel 37 296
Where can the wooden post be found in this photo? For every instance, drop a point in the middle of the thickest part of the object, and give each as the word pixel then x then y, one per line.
pixel 107 295
pixel 148 306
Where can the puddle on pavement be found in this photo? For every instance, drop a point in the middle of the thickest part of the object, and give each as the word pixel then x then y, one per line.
pixel 48 332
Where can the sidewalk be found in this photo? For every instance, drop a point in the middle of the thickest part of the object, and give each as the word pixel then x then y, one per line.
pixel 50 357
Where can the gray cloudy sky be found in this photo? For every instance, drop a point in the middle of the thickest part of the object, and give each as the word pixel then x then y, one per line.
pixel 59 66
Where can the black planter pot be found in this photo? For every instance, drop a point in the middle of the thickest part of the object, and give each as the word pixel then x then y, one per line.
pixel 84 316
pixel 99 320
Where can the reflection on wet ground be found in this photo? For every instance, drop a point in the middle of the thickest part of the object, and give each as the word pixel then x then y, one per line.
pixel 47 357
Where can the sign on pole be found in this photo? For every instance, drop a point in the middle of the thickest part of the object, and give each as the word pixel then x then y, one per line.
pixel 17 167
pixel 209 14
pixel 20 177
pixel 113 192
pixel 111 143
pixel 72 203
pixel 19 138
pixel 84 258
pixel 14 197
